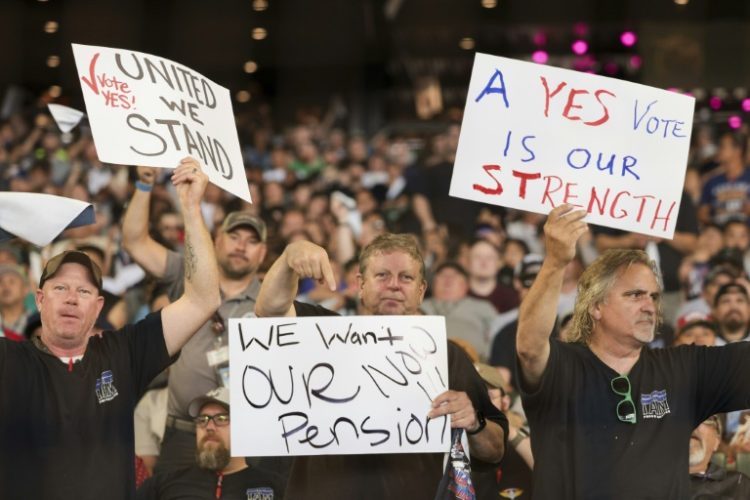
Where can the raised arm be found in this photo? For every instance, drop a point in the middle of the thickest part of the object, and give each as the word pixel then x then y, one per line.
pixel 301 259
pixel 182 318
pixel 148 253
pixel 538 310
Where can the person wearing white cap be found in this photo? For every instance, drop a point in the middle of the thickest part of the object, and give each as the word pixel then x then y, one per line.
pixel 216 474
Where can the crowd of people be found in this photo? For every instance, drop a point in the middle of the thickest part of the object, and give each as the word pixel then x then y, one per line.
pixel 321 196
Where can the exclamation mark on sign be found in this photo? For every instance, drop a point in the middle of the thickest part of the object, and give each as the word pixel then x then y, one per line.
pixel 133 102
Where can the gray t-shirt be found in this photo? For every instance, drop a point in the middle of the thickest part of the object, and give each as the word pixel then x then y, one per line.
pixel 191 375
pixel 469 319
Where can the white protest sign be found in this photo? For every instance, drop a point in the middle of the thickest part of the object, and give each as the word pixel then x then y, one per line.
pixel 40 218
pixel 147 110
pixel 534 137
pixel 66 118
pixel 337 385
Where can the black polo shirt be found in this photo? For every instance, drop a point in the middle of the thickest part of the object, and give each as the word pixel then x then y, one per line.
pixel 68 434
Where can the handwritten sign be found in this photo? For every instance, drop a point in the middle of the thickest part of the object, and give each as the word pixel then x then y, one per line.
pixel 534 137
pixel 337 385
pixel 147 110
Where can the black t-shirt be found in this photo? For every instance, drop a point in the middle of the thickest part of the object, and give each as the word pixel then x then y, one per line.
pixel 583 451
pixel 511 479
pixel 409 475
pixel 69 434
pixel 194 483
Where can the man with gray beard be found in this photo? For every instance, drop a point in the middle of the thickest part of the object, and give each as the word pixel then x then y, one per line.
pixel 240 246
pixel 215 474
pixel 707 479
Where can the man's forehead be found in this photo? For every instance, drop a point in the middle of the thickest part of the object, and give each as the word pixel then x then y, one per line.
pixel 380 258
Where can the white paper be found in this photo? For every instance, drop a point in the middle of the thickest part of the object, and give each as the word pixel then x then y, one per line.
pixel 535 136
pixel 147 110
pixel 40 218
pixel 374 375
pixel 66 118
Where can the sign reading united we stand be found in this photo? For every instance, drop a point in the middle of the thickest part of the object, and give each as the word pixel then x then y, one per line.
pixel 534 137
pixel 337 385
pixel 147 110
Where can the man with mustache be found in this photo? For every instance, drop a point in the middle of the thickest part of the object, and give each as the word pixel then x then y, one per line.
pixel 67 397
pixel 391 281
pixel 215 473
pixel 707 479
pixel 240 247
pixel 732 312
pixel 610 417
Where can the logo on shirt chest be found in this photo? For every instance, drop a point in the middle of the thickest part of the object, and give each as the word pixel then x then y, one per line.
pixel 259 493
pixel 654 404
pixel 105 387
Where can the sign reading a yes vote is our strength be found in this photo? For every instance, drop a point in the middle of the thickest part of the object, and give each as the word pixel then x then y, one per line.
pixel 534 137
pixel 337 385
pixel 147 110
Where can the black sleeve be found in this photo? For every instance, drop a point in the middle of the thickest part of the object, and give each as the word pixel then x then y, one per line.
pixel 722 378
pixel 462 376
pixel 504 347
pixel 148 490
pixel 303 309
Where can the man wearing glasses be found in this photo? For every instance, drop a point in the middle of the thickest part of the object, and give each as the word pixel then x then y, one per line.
pixel 215 474
pixel 610 419
pixel 240 247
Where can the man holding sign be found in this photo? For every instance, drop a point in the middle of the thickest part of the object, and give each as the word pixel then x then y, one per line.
pixel 610 419
pixel 67 398
pixel 392 282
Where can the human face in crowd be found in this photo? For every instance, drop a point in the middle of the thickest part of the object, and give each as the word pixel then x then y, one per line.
pixel 728 151
pixel 170 227
pixel 484 260
pixel 12 289
pixel 732 311
pixel 449 285
pixel 736 235
pixel 239 252
pixel 391 284
pixel 709 291
pixel 69 304
pixel 629 311
pixel 698 335
pixel 711 240
pixel 212 442
pixel 513 254
pixel 704 441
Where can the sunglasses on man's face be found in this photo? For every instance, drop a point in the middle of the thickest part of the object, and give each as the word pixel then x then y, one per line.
pixel 626 407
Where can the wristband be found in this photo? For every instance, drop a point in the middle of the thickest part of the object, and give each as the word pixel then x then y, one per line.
pixel 142 186
pixel 520 436
pixel 482 425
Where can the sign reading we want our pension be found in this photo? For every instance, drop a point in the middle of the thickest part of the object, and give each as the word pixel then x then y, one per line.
pixel 147 110
pixel 534 137
pixel 337 385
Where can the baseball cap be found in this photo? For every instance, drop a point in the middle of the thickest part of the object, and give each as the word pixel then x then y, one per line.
pixel 691 319
pixel 219 396
pixel 529 268
pixel 12 268
pixel 53 265
pixel 490 374
pixel 730 288
pixel 244 218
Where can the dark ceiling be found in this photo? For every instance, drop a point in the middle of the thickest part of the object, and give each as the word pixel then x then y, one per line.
pixel 372 51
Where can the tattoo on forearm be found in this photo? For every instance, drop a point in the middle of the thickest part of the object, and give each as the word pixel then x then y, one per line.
pixel 190 261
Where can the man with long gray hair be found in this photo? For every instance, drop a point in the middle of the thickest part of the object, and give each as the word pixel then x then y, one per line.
pixel 610 417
